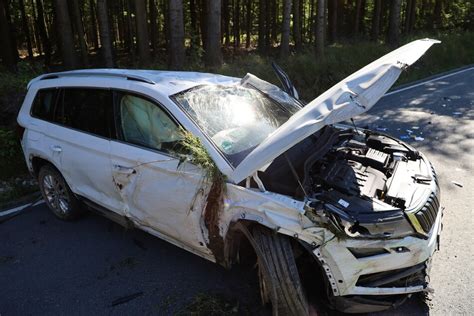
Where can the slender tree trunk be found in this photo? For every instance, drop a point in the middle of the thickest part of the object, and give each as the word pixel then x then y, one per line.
pixel 393 35
pixel 275 20
pixel 412 16
pixel 438 10
pixel 249 23
pixel 36 35
pixel 376 20
pixel 80 32
pixel 142 32
pixel 203 22
pixel 8 58
pixel 26 29
pixel 269 24
pixel 176 45
pixel 320 29
pixel 153 26
pixel 261 25
pixel 237 24
pixel 311 20
pixel 213 49
pixel 356 26
pixel 225 22
pixel 40 24
pixel 104 30
pixel 332 20
pixel 65 34
pixel 297 24
pixel 95 38
pixel 194 28
pixel 285 29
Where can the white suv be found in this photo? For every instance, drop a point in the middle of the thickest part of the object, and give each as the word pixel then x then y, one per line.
pixel 312 202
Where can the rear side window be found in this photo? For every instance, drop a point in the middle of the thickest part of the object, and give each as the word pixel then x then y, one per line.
pixel 44 103
pixel 89 110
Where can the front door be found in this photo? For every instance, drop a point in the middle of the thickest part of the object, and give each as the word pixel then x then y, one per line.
pixel 158 193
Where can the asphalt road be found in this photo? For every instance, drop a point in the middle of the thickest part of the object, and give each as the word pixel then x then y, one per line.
pixel 94 266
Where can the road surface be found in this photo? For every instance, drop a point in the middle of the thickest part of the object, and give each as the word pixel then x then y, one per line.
pixel 94 266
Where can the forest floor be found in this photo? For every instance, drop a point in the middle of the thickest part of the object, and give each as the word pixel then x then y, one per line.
pixel 93 266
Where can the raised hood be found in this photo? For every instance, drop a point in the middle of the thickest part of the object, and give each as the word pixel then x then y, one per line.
pixel 352 96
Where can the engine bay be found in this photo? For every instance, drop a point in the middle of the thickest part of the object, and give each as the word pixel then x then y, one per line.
pixel 362 182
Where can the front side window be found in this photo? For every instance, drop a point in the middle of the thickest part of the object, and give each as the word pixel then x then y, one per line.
pixel 144 123
pixel 236 118
pixel 44 103
pixel 86 109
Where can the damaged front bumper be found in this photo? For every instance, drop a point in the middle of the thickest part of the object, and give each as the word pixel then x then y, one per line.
pixel 373 275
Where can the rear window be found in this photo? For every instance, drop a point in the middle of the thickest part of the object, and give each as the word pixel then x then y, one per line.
pixel 88 110
pixel 44 103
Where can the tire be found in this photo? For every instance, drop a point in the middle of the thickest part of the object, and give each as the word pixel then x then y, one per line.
pixel 57 194
pixel 279 280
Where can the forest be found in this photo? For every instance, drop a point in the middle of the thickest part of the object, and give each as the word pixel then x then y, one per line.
pixel 178 34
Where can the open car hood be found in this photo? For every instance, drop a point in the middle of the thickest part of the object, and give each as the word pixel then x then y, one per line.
pixel 352 96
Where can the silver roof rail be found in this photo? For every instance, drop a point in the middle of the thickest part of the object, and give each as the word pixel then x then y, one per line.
pixel 97 73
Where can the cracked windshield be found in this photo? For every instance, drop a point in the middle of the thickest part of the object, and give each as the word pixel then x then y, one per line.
pixel 236 118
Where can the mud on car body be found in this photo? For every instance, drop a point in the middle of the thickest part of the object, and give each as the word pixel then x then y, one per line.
pixel 317 205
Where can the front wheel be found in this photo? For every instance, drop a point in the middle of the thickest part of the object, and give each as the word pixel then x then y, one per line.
pixel 57 194
pixel 280 282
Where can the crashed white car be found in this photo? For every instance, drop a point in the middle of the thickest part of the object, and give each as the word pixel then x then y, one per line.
pixel 316 205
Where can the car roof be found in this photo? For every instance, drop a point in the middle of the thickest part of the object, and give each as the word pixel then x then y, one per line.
pixel 166 82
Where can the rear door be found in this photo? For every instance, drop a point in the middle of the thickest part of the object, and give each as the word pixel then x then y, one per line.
pixel 80 138
pixel 158 193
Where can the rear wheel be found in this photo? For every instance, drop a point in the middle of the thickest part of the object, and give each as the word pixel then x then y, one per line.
pixel 57 194
pixel 280 283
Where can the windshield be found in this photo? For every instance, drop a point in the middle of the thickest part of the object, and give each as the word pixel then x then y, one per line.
pixel 236 118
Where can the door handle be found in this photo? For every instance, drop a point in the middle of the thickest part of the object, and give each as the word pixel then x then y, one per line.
pixel 56 148
pixel 124 169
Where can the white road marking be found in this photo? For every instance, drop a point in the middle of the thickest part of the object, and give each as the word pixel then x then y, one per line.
pixel 427 81
pixel 19 208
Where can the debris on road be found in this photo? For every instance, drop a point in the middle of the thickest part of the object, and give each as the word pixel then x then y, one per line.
pixel 404 137
pixel 419 138
pixel 125 299
pixel 457 113
pixel 457 183
pixel 382 129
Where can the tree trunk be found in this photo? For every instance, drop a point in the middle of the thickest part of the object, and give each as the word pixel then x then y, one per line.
pixel 225 22
pixel 203 22
pixel 237 24
pixel 438 10
pixel 393 35
pixel 285 29
pixel 332 21
pixel 320 29
pixel 412 17
pixel 194 27
pixel 376 20
pixel 95 38
pixel 142 32
pixel 65 34
pixel 356 26
pixel 153 26
pixel 36 35
pixel 273 17
pixel 213 48
pixel 8 58
pixel 176 45
pixel 104 30
pixel 249 23
pixel 80 32
pixel 261 25
pixel 40 24
pixel 26 29
pixel 297 24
